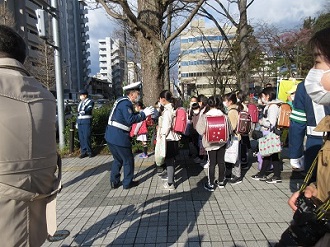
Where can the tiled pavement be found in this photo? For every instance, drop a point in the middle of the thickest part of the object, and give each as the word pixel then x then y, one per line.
pixel 252 213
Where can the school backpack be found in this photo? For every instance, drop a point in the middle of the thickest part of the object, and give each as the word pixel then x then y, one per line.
pixel 244 123
pixel 283 119
pixel 216 129
pixel 253 111
pixel 179 123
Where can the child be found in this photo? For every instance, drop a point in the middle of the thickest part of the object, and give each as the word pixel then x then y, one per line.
pixel 140 130
pixel 215 151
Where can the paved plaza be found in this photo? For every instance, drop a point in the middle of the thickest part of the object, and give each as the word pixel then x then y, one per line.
pixel 252 213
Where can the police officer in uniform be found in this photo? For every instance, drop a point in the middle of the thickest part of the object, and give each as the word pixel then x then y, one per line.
pixel 84 122
pixel 305 115
pixel 117 135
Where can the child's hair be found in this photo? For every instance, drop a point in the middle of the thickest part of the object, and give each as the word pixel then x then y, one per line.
pixel 233 98
pixel 140 104
pixel 269 91
pixel 203 99
pixel 214 102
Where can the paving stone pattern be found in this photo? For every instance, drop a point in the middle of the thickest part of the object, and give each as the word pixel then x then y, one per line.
pixel 252 213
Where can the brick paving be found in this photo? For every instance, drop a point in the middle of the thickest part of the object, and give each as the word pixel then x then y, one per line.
pixel 252 213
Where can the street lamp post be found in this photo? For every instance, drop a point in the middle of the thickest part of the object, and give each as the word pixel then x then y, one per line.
pixel 58 74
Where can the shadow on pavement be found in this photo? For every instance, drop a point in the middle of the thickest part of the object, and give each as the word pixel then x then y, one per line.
pixel 162 219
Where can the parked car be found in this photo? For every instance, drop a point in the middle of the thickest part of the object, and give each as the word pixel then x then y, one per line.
pixel 101 103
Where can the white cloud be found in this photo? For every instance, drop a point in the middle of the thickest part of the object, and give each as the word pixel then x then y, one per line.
pixel 286 14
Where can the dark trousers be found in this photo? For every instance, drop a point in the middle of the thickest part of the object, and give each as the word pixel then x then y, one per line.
pixel 216 157
pixel 122 156
pixel 84 133
pixel 266 163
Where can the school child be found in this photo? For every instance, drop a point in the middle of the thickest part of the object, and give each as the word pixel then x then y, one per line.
pixel 233 109
pixel 140 130
pixel 215 151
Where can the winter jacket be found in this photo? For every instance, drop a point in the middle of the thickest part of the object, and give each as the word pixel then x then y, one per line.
pixel 166 125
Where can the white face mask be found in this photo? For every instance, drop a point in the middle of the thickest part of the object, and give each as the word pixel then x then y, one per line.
pixel 225 103
pixel 292 97
pixel 195 112
pixel 264 101
pixel 314 82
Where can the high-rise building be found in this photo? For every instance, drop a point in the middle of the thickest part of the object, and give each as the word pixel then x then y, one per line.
pixel 204 59
pixel 73 35
pixel 112 60
pixel 75 54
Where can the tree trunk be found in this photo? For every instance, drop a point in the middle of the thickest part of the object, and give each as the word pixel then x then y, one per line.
pixel 244 77
pixel 153 74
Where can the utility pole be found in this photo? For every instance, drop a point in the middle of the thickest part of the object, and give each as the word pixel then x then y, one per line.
pixel 41 26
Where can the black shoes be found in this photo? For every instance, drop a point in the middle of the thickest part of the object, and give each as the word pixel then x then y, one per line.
pixel 83 156
pixel 235 180
pixel 114 185
pixel 131 185
pixel 259 178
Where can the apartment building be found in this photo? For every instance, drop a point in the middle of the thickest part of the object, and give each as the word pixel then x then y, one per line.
pixel 73 34
pixel 113 65
pixel 204 60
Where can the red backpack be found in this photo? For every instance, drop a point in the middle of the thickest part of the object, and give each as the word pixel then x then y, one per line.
pixel 244 123
pixel 253 110
pixel 179 123
pixel 216 129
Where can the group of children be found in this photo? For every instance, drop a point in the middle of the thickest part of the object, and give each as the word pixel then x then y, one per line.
pixel 205 153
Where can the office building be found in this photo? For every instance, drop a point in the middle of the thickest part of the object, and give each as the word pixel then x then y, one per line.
pixel 204 60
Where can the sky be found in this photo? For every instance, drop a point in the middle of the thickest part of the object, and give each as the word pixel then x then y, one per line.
pixel 284 14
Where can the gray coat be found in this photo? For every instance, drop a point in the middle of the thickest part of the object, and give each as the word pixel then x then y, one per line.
pixel 28 158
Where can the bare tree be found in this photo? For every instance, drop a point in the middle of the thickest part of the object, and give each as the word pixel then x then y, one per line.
pixel 6 16
pixel 43 67
pixel 242 58
pixel 148 21
pixel 288 49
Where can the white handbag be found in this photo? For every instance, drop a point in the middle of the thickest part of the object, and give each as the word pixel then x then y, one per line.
pixel 231 154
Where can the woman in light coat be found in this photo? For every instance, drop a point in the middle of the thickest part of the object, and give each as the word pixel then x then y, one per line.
pixel 268 122
pixel 172 138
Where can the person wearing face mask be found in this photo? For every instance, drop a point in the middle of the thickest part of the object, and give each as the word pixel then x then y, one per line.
pixel 316 88
pixel 117 135
pixel 84 123
pixel 270 114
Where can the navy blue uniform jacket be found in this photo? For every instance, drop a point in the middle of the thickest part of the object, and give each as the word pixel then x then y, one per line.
pixel 125 115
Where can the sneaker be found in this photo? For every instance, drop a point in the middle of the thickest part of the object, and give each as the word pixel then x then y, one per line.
pixel 221 184
pixel 259 178
pixel 274 180
pixel 143 156
pixel 205 165
pixel 159 169
pixel 168 187
pixel 163 176
pixel 209 187
pixel 198 160
pixel 163 173
pixel 235 180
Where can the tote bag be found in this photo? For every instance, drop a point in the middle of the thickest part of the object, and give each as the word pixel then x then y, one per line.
pixel 160 151
pixel 269 144
pixel 231 154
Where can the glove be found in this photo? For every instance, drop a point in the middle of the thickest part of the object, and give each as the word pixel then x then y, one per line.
pixel 82 113
pixel 148 111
